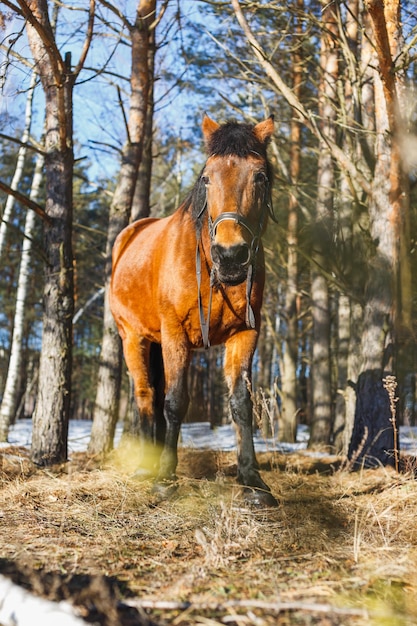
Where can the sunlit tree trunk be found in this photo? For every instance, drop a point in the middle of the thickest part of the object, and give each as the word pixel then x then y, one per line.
pixel 141 200
pixel 109 375
pixel 288 423
pixel 321 423
pixel 50 419
pixel 374 438
pixel 365 98
pixel 346 215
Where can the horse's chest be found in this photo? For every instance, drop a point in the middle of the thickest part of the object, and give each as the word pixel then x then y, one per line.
pixel 226 314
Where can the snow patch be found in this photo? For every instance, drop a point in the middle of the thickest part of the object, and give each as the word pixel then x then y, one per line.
pixel 198 435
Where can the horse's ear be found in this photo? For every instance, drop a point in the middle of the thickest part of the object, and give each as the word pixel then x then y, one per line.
pixel 209 126
pixel 264 130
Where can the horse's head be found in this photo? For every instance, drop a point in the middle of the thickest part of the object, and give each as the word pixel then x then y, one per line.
pixel 237 182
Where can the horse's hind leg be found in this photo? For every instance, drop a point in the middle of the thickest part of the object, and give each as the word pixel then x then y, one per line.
pixel 237 368
pixel 137 352
pixel 157 380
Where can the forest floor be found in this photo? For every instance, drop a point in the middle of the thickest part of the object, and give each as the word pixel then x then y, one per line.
pixel 341 548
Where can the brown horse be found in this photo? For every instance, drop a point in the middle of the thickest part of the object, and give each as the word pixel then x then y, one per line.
pixel 196 279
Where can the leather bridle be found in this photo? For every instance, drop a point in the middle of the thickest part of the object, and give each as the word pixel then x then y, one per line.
pixel 267 209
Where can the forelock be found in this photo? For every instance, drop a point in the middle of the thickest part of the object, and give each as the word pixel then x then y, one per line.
pixel 237 139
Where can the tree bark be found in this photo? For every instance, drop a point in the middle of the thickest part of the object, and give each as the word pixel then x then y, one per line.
pixel 141 200
pixel 50 419
pixel 109 376
pixel 321 424
pixel 288 423
pixel 347 329
pixel 374 438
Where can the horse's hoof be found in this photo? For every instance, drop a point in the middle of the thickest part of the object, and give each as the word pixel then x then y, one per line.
pixel 164 490
pixel 259 498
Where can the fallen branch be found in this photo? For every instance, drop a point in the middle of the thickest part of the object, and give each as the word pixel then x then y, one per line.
pixel 274 607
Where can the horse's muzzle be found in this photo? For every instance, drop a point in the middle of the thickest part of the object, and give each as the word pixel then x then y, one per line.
pixel 231 262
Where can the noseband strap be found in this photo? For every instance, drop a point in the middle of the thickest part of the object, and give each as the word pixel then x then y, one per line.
pixel 227 216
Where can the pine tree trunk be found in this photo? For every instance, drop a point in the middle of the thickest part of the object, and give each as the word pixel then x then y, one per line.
pixel 347 214
pixel 50 420
pixel 141 200
pixel 288 423
pixel 321 424
pixel 109 376
pixel 51 416
pixel 374 438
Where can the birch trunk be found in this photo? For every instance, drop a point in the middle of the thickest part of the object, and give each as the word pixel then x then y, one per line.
pixel 18 173
pixel 11 390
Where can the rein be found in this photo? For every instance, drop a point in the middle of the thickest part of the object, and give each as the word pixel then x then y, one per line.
pixel 251 262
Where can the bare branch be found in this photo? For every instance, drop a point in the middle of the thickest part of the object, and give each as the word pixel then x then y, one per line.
pixel 88 39
pixel 304 116
pixel 117 12
pixel 30 146
pixel 119 97
pixel 25 201
pixel 44 30
pixel 160 16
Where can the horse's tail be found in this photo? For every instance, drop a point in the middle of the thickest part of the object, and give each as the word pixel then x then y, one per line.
pixel 157 380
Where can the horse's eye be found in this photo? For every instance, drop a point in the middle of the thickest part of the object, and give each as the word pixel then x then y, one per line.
pixel 260 177
pixel 205 180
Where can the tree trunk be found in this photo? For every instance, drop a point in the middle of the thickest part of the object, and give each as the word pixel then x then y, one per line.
pixel 141 200
pixel 18 173
pixel 346 215
pixel 375 438
pixel 288 423
pixel 11 390
pixel 50 419
pixel 109 375
pixel 321 424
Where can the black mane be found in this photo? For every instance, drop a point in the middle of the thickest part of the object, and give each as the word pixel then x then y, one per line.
pixel 231 138
pixel 237 139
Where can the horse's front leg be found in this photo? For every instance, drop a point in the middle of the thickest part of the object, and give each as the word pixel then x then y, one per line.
pixel 238 368
pixel 176 356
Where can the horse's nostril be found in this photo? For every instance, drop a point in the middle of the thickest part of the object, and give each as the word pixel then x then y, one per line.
pixel 238 254
pixel 242 255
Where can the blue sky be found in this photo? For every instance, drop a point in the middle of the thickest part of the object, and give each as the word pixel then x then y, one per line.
pixel 97 117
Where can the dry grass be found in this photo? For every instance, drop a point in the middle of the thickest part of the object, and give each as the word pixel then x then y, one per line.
pixel 340 549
